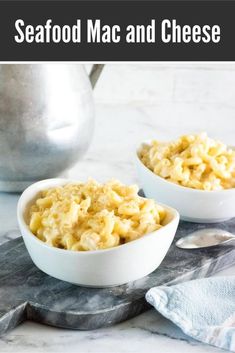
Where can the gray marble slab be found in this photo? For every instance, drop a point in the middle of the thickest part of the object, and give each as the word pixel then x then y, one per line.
pixel 28 293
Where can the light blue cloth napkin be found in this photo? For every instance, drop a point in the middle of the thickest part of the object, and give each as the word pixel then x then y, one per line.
pixel 204 309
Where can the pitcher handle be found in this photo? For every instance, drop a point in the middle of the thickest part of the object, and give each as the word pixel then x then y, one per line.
pixel 95 74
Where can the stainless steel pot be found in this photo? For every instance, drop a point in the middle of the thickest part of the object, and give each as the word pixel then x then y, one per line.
pixel 46 120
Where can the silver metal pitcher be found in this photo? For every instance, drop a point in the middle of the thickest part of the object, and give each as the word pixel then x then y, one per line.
pixel 46 120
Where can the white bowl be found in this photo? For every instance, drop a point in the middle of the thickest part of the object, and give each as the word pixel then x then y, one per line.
pixel 193 205
pixel 100 268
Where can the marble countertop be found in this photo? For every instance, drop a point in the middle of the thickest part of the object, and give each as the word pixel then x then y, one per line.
pixel 119 127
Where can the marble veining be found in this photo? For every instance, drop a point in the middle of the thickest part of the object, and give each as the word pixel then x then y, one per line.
pixel 28 293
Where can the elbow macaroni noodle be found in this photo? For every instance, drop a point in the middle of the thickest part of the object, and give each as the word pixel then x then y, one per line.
pixel 92 216
pixel 194 161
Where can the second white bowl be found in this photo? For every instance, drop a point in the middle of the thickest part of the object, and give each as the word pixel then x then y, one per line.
pixel 100 268
pixel 193 205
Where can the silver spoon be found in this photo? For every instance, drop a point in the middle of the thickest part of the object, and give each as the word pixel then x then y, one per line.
pixel 205 238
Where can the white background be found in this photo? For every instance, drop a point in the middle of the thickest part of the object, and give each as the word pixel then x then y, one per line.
pixel 135 102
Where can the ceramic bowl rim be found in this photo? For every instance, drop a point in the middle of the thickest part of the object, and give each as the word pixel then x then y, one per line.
pixel 27 233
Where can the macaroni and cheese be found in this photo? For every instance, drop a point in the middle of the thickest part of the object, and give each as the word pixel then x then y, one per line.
pixel 194 161
pixel 92 216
